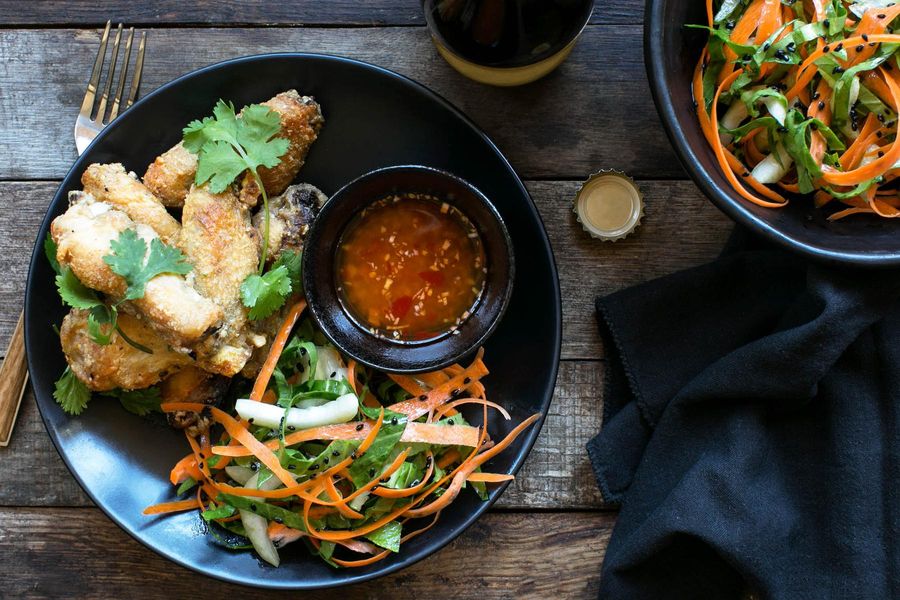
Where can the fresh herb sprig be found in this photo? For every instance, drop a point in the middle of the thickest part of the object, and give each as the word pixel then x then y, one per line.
pixel 227 144
pixel 264 294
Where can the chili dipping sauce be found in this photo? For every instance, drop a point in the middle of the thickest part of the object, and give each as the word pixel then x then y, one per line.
pixel 410 267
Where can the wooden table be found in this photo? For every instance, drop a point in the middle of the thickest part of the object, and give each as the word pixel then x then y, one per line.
pixel 547 535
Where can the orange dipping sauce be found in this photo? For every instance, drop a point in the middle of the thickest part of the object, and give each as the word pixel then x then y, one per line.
pixel 410 267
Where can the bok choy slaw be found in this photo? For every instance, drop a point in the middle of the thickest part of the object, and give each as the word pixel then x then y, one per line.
pixel 800 97
pixel 351 461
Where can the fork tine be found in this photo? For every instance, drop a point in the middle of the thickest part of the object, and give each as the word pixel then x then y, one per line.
pixel 110 75
pixel 114 111
pixel 88 103
pixel 138 69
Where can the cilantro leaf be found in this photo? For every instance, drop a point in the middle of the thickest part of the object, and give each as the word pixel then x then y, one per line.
pixel 256 129
pixel 220 165
pixel 74 293
pixel 291 261
pixel 50 253
pixel 128 261
pixel 265 294
pixel 71 394
pixel 139 402
pixel 101 322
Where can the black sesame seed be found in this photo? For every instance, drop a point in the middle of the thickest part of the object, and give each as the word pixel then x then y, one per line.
pixel 780 55
pixel 860 48
pixel 880 117
pixel 766 46
pixel 372 472
pixel 333 374
pixel 729 25
pixel 302 351
pixel 415 482
pixel 865 38
pixel 826 49
pixel 428 461
pixel 878 134
pixel 394 421
pixel 325 460
pixel 335 453
pixel 278 520
pixel 745 174
pixel 291 428
pixel 791 47
pixel 455 392
pixel 854 126
pixel 821 105
pixel 423 397
pixel 254 467
pixel 450 422
pixel 826 23
pixel 882 15
pixel 250 420
pixel 815 96
pixel 315 467
pixel 880 154
pixel 360 427
pixel 201 466
pixel 353 455
pixel 467 380
pixel 292 467
pixel 873 44
pixel 782 130
pixel 746 58
pixel 813 126
pixel 383 480
pixel 837 70
pixel 253 507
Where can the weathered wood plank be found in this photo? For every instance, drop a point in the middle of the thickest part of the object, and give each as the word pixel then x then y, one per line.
pixel 680 229
pixel 557 474
pixel 240 12
pixel 594 112
pixel 48 554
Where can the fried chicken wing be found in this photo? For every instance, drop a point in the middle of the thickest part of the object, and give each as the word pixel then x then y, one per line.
pixel 111 184
pixel 223 246
pixel 117 364
pixel 290 216
pixel 83 235
pixel 170 176
pixel 301 120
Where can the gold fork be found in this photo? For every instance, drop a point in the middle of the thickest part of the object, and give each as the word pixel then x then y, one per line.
pixel 90 121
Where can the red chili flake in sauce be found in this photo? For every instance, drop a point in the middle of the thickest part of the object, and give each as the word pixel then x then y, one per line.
pixel 410 267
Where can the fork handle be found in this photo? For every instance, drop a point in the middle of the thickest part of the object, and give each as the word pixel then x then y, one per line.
pixel 13 379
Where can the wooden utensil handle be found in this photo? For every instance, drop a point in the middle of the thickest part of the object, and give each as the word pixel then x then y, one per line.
pixel 13 378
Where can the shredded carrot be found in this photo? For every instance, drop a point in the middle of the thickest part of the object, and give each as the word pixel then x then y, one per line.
pixel 170 507
pixel 281 339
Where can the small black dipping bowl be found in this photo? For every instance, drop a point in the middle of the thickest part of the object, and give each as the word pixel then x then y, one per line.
pixel 671 51
pixel 321 288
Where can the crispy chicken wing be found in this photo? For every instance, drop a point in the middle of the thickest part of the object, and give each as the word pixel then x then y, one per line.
pixel 290 216
pixel 170 176
pixel 110 183
pixel 83 235
pixel 117 364
pixel 223 246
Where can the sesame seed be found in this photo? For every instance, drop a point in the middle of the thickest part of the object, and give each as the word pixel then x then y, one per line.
pixel 360 427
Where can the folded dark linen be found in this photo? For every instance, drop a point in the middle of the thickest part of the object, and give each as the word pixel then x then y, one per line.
pixel 751 431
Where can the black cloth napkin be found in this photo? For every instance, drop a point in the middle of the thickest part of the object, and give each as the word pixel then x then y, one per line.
pixel 751 431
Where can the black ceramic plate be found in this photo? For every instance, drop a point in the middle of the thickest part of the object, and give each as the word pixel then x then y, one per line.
pixel 671 52
pixel 374 118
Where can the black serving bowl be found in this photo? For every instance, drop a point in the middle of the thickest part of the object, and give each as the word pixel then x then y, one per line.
pixel 671 51
pixel 354 338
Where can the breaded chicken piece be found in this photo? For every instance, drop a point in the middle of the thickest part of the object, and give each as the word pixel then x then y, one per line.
pixel 83 235
pixel 117 364
pixel 223 246
pixel 111 184
pixel 301 121
pixel 170 176
pixel 290 216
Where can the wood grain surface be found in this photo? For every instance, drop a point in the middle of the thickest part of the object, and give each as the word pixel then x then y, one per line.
pixel 231 13
pixel 68 552
pixel 13 375
pixel 548 533
pixel 594 112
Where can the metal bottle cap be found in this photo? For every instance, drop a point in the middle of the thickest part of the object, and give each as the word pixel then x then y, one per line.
pixel 609 205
